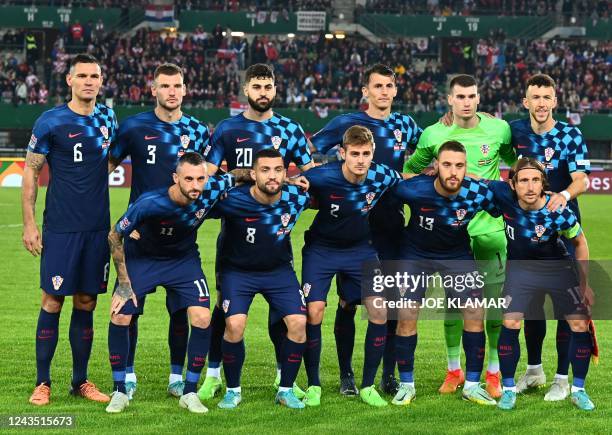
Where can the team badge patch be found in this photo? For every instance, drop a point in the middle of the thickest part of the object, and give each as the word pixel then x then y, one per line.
pixel 370 197
pixel 200 213
pixel 57 282
pixel 285 218
pixel 124 223
pixel 225 305
pixel 539 230
pixel 461 214
pixel 306 289
pixel 185 141
pixel 104 131
pixel 484 149
pixel 33 141
pixel 180 153
pixel 398 134
pixel 276 142
pixel 549 153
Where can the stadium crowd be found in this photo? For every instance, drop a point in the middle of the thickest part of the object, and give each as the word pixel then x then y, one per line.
pixel 307 69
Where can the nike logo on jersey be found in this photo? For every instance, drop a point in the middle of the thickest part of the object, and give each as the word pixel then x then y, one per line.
pixel 519 146
pixel 73 135
pixel 334 196
pixel 507 216
pixel 251 219
pixel 426 209
pixel 242 139
pixel 150 137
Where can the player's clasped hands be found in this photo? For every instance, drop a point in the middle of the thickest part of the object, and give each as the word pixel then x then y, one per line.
pixel 32 240
pixel 123 293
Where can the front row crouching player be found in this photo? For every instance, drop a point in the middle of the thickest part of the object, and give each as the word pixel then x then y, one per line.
pixel 533 234
pixel 154 244
pixel 437 240
pixel 256 258
pixel 338 243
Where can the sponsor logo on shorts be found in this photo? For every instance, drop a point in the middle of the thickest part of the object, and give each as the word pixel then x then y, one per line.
pixel 57 282
pixel 225 305
pixel 276 142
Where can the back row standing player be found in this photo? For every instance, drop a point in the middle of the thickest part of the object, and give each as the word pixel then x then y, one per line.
pixel 487 140
pixel 394 134
pixel 236 140
pixel 155 140
pixel 74 139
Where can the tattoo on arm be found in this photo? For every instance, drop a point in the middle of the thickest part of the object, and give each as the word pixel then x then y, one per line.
pixel 115 241
pixel 124 290
pixel 33 165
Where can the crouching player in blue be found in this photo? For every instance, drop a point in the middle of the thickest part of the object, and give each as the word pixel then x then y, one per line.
pixel 256 258
pixel 338 243
pixel 534 233
pixel 437 240
pixel 163 252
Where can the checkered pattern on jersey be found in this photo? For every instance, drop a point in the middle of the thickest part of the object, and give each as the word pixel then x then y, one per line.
pixel 198 132
pixel 289 131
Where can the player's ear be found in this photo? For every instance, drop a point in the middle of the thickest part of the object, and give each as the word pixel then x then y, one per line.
pixel 525 105
pixel 449 100
pixel 252 173
pixel 175 178
pixel 342 153
pixel 184 91
pixel 364 91
pixel 68 79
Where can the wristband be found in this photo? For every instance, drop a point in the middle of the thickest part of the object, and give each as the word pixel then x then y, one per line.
pixel 566 195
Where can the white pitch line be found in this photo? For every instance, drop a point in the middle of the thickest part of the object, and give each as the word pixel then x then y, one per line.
pixel 11 225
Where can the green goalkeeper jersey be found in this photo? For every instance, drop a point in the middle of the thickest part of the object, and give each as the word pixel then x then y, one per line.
pixel 485 144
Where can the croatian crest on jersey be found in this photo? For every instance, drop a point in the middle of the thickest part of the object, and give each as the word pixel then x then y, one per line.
pixel 461 214
pixel 549 153
pixel 200 213
pixel 484 149
pixel 104 131
pixel 276 142
pixel 185 141
pixel 370 197
pixel 306 289
pixel 180 153
pixel 225 305
pixel 57 282
pixel 124 223
pixel 398 134
pixel 539 230
pixel 285 218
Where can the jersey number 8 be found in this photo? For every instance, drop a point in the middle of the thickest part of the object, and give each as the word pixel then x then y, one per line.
pixel 250 235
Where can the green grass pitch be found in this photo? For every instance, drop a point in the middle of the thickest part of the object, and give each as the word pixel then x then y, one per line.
pixel 153 411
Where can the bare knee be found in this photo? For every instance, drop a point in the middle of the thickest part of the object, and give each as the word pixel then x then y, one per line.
pixel 406 328
pixel 315 312
pixel 121 319
pixel 84 302
pixel 296 327
pixel 234 328
pixel 199 317
pixel 512 323
pixel 578 325
pixel 51 304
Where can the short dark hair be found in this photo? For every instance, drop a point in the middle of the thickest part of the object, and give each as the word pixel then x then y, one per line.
pixel 452 145
pixel 259 71
pixel 83 58
pixel 541 80
pixel 266 153
pixel 168 69
pixel 191 158
pixel 357 135
pixel 529 163
pixel 463 80
pixel 378 68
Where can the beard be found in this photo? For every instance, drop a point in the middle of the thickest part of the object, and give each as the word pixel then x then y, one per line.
pixel 268 190
pixel 448 187
pixel 169 108
pixel 186 193
pixel 259 107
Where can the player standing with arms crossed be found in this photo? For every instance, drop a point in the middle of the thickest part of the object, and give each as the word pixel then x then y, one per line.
pixel 74 139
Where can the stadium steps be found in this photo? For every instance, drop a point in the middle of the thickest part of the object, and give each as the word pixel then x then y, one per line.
pixel 538 29
pixel 565 32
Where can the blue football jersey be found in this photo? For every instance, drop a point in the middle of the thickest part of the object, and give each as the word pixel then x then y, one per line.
pixel 155 146
pixel 438 225
pixel 393 138
pixel 562 150
pixel 533 235
pixel 342 219
pixel 166 229
pixel 237 139
pixel 257 236
pixel 76 148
